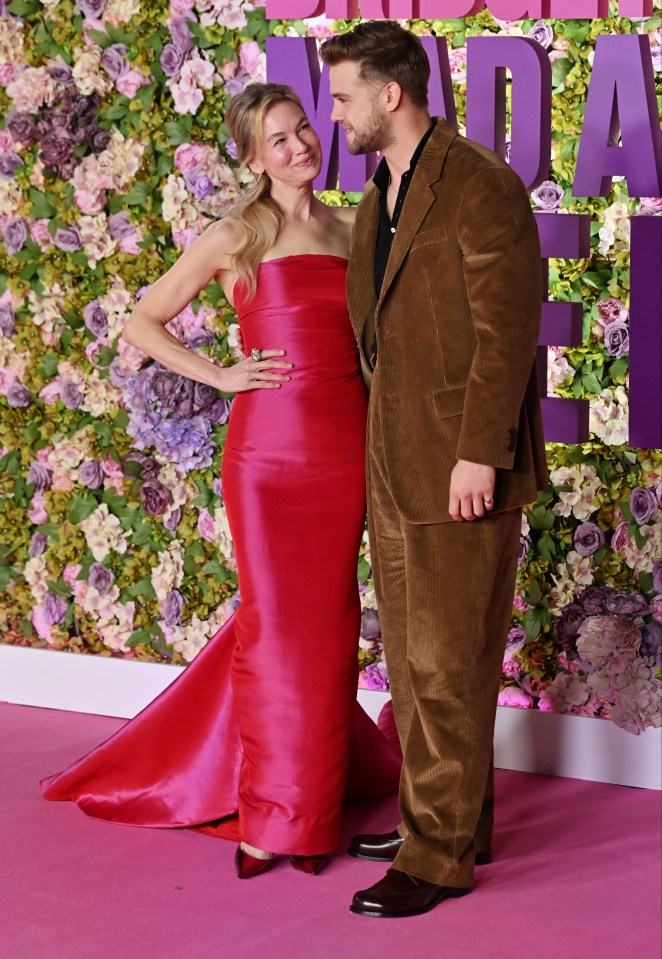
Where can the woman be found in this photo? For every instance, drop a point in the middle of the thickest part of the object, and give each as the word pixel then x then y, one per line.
pixel 268 739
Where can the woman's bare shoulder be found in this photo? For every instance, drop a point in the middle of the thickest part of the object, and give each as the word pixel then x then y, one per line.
pixel 225 235
pixel 344 214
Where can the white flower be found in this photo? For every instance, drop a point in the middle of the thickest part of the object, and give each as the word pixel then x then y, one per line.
pixel 103 533
pixel 169 571
pixel 609 416
pixel 87 73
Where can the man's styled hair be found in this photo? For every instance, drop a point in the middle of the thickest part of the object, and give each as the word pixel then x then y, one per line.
pixel 386 52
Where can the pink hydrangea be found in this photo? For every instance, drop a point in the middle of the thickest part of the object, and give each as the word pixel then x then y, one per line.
pixel 206 526
pixel 249 56
pixel 37 513
pixel 188 156
pixel 457 58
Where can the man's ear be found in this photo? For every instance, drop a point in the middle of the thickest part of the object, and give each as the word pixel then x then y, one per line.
pixel 392 95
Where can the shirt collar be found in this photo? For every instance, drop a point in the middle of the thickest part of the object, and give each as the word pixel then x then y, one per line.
pixel 382 173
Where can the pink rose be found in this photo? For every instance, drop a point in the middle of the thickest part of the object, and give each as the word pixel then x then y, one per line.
pixel 40 233
pixel 188 156
pixel 650 205
pixel 249 56
pixel 611 310
pixel 37 512
pixel 228 70
pixel 62 483
pixel 69 574
pixel 620 539
pixel 92 350
pixel 51 392
pixel 511 668
pixel 206 526
pixel 129 84
pixel 457 58
pixel 514 696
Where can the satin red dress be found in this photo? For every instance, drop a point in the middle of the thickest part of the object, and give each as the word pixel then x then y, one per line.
pixel 264 723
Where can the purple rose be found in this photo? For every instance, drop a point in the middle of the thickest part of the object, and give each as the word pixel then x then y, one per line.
pixel 203 396
pixel 548 196
pixel 203 187
pixel 54 608
pixel 171 522
pixel 22 126
pixel 172 608
pixel 68 239
pixel 99 140
pixel 61 72
pixel 593 599
pixel 120 225
pixel 219 411
pixel 95 319
pixel 155 497
pixel 651 642
pixel 40 476
pixel 617 339
pixel 139 464
pixel 91 474
pixel 70 395
pixel 7 319
pixel 164 383
pixel 626 604
pixel 171 60
pixel 100 578
pixel 643 504
pixel 588 539
pixel 9 164
pixel 567 627
pixel 114 61
pixel 370 628
pixel 198 338
pixel 181 35
pixel 657 575
pixel 38 544
pixel 92 9
pixel 57 156
pixel 373 678
pixel 14 234
pixel 524 547
pixel 18 395
pixel 542 33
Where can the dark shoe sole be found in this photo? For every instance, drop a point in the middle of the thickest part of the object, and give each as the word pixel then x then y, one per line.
pixel 482 858
pixel 444 894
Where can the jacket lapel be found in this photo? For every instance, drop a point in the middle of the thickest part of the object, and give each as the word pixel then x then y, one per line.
pixel 361 296
pixel 419 200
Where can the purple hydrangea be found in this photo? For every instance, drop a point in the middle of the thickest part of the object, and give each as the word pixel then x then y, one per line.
pixel 173 607
pixel 7 319
pixel 589 538
pixel 95 319
pixel 9 164
pixel 617 339
pixel 100 578
pixel 114 60
pixel 70 395
pixel 643 504
pixel 68 239
pixel 91 474
pixel 40 476
pixel 38 544
pixel 18 395
pixel 14 235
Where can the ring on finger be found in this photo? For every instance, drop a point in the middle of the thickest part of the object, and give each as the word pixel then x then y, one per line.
pixel 256 354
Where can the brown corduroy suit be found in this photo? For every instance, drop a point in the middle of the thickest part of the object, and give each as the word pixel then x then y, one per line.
pixel 457 325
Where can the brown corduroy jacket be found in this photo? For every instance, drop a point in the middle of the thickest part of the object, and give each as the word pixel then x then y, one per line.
pixel 457 324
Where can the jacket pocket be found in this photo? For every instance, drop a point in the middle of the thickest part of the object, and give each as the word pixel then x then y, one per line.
pixel 427 237
pixel 449 402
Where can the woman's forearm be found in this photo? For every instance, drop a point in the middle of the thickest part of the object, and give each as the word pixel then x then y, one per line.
pixel 147 333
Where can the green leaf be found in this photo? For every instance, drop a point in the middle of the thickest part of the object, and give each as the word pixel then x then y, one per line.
pixel 24 8
pixel 101 38
pixel 144 588
pixel 546 547
pixel 59 587
pixel 176 133
pixel 117 112
pixel 80 509
pixel 646 582
pixel 139 195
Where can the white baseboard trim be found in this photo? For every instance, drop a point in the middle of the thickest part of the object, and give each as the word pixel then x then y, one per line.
pixel 525 740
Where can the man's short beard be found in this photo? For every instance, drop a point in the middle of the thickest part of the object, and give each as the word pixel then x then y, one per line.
pixel 378 134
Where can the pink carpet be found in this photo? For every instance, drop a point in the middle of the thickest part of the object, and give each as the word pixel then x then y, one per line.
pixel 576 876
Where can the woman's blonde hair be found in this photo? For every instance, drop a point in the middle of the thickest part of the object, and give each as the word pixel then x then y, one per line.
pixel 257 211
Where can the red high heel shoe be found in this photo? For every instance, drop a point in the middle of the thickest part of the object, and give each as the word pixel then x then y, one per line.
pixel 311 865
pixel 247 866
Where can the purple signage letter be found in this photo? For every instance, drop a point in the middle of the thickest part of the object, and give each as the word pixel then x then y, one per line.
pixel 520 9
pixel 531 138
pixel 646 332
pixel 294 60
pixel 635 8
pixel 621 96
pixel 294 9
pixel 441 100
pixel 568 236
pixel 579 9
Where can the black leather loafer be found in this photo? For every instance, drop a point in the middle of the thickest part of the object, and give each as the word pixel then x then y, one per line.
pixel 398 894
pixel 383 847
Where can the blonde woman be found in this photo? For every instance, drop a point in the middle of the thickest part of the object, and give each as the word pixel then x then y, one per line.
pixel 261 723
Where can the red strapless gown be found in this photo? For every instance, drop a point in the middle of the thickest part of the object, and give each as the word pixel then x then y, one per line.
pixel 264 722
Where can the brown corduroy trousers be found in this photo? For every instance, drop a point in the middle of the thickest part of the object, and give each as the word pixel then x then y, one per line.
pixel 444 596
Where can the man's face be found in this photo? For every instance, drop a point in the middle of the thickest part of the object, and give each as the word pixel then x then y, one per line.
pixel 358 108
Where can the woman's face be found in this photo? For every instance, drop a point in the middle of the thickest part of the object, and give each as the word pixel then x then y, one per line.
pixel 290 149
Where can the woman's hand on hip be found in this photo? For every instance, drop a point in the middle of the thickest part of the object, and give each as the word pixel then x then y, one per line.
pixel 249 374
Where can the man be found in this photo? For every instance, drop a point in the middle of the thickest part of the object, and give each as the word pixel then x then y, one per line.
pixel 445 289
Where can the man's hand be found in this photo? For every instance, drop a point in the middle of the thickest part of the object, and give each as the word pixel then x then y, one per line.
pixel 471 490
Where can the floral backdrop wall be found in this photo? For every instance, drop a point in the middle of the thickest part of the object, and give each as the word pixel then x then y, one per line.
pixel 113 158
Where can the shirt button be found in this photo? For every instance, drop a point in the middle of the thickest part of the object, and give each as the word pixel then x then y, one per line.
pixel 392 229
